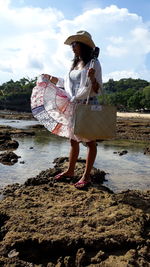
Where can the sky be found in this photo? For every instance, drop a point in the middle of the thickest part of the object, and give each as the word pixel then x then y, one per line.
pixel 33 34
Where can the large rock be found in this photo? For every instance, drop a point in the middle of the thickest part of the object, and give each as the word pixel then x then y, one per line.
pixel 6 142
pixel 8 158
pixel 52 223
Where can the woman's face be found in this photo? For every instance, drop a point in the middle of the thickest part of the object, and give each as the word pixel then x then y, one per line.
pixel 76 48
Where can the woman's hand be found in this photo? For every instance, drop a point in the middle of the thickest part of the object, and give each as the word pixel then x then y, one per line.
pixel 95 84
pixel 91 74
pixel 52 79
pixel 47 76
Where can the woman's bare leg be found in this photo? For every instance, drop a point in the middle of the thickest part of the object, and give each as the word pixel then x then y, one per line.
pixel 74 153
pixel 91 155
pixel 73 156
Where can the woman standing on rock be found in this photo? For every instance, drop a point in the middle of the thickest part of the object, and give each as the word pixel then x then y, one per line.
pixel 53 101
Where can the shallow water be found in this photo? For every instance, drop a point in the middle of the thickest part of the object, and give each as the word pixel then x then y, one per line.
pixel 130 171
pixel 18 123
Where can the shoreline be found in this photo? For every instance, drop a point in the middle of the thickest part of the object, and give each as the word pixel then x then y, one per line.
pixel 11 113
pixel 133 115
pixel 129 125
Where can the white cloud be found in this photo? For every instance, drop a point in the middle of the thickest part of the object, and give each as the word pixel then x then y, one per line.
pixel 116 75
pixel 32 41
pixel 115 51
pixel 116 40
pixel 5 67
pixel 4 4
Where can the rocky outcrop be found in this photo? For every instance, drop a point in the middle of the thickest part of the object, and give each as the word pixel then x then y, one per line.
pixel 133 129
pixel 6 142
pixel 8 158
pixel 14 115
pixel 49 223
pixel 10 131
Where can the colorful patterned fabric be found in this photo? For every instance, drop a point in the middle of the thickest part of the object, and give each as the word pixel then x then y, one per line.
pixel 52 107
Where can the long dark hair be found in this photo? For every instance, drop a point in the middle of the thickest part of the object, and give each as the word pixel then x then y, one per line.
pixel 85 55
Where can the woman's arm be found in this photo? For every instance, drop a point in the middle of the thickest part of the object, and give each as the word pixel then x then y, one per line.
pixel 94 83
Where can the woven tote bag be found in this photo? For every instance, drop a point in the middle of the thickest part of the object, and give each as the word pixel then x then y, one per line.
pixel 95 122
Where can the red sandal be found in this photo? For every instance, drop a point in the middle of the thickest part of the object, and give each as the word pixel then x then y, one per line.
pixel 61 176
pixel 82 184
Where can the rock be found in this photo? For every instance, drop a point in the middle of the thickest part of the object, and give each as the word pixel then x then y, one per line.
pixel 14 115
pixel 10 189
pixel 13 253
pixel 8 158
pixel 48 223
pixel 121 153
pixel 68 261
pixel 147 151
pixel 7 130
pixel 44 177
pixel 100 256
pixel 7 143
pixel 22 162
pixel 22 132
pixel 81 258
pixel 133 129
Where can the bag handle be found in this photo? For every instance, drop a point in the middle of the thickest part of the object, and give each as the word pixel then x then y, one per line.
pixel 88 79
pixel 95 55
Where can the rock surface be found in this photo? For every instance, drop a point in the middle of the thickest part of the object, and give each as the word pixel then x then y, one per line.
pixel 12 115
pixel 6 142
pixel 7 130
pixel 48 223
pixel 133 129
pixel 8 158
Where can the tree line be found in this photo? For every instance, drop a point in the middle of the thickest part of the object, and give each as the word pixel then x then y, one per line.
pixel 16 95
pixel 126 94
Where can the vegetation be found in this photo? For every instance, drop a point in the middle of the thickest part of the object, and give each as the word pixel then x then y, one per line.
pixel 127 94
pixel 16 95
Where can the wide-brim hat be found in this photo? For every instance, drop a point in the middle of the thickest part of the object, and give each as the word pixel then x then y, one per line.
pixel 82 37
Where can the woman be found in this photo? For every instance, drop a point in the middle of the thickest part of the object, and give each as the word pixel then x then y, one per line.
pixel 66 93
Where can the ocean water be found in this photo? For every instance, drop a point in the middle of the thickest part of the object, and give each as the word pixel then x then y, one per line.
pixel 130 171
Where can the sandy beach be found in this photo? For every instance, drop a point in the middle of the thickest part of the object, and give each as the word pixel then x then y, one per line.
pixel 133 115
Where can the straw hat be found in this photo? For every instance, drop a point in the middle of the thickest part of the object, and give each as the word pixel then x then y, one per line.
pixel 82 37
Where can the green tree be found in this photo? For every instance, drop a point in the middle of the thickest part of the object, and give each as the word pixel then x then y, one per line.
pixel 135 101
pixel 146 97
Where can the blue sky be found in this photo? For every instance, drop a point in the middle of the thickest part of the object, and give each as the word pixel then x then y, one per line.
pixel 33 32
pixel 73 8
